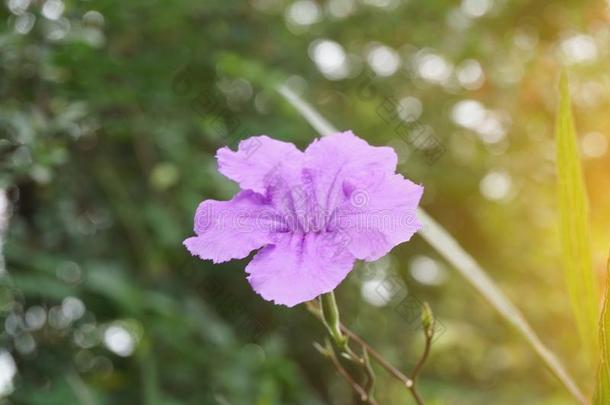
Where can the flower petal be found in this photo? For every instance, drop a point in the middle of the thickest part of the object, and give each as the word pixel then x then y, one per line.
pixel 232 229
pixel 344 157
pixel 377 218
pixel 300 267
pixel 255 159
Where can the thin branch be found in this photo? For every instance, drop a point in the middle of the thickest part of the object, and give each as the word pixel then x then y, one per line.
pixel 406 381
pixel 370 373
pixel 379 358
pixel 422 359
pixel 328 313
pixel 329 352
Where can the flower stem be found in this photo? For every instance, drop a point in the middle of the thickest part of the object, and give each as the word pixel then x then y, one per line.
pixel 328 313
pixel 393 371
pixel 329 352
pixel 428 323
pixel 330 317
pixel 424 356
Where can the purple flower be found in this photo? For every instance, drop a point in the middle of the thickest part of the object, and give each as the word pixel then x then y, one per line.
pixel 313 213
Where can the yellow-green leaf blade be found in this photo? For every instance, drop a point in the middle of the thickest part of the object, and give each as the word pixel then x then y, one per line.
pixel 574 226
pixel 602 388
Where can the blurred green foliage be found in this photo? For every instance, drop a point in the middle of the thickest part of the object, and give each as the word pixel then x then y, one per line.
pixel 110 115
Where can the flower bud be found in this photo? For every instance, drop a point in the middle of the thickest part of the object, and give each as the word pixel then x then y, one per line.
pixel 427 320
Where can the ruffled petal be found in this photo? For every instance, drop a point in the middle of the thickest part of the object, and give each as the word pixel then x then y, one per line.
pixel 377 218
pixel 300 267
pixel 232 229
pixel 256 159
pixel 335 159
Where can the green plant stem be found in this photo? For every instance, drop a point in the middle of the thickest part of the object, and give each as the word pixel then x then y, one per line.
pixel 330 314
pixel 364 361
pixel 330 317
pixel 420 365
pixel 370 373
pixel 422 360
pixel 393 371
pixel 329 352
pixel 409 383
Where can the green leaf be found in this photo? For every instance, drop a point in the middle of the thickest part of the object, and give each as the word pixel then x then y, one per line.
pixel 602 388
pixel 574 226
pixel 449 248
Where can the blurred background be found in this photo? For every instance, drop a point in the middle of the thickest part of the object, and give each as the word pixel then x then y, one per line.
pixel 110 115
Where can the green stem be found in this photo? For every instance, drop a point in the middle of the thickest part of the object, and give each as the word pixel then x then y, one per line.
pixel 330 317
pixel 368 350
pixel 329 352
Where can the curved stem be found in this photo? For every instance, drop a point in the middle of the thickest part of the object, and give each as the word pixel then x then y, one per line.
pixel 418 368
pixel 329 315
pixel 329 352
pixel 422 360
pixel 328 303
pixel 407 382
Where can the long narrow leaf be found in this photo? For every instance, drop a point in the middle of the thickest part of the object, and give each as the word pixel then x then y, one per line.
pixel 602 388
pixel 574 226
pixel 451 250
